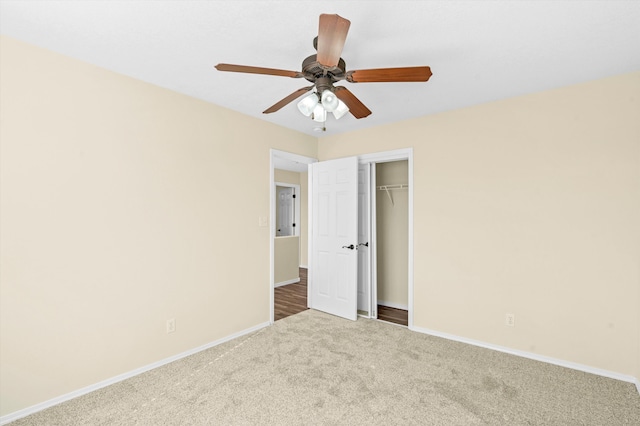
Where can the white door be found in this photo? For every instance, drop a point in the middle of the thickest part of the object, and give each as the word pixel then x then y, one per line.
pixel 286 211
pixel 364 244
pixel 334 237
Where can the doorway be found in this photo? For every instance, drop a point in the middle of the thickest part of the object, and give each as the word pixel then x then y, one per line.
pixel 337 296
pixel 287 228
pixel 391 206
pixel 288 231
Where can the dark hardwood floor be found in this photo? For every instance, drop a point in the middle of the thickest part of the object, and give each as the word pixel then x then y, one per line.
pixel 394 315
pixel 291 299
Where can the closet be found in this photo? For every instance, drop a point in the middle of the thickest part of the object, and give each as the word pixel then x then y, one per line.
pixel 392 233
pixel 371 216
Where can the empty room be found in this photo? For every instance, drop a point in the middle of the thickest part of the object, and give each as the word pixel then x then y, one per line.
pixel 474 165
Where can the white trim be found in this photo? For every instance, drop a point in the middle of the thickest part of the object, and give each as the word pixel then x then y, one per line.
pixel 290 156
pixel 410 242
pixel 373 246
pixel 88 389
pixel 272 234
pixel 287 282
pixel 370 237
pixel 533 356
pixel 309 233
pixel 303 266
pixel 393 305
pixel 386 156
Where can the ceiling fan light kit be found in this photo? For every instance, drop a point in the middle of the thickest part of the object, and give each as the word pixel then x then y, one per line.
pixel 341 110
pixel 329 101
pixel 312 106
pixel 308 103
pixel 319 114
pixel 324 69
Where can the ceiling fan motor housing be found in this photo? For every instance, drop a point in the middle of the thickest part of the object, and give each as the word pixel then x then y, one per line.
pixel 322 76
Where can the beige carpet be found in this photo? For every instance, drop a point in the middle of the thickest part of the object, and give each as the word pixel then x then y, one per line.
pixel 316 369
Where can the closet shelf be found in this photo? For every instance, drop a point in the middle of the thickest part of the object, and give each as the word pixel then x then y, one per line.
pixel 398 186
pixel 388 188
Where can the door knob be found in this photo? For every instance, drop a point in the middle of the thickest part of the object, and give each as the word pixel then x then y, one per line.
pixel 350 247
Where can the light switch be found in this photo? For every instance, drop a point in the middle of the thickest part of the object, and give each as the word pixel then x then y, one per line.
pixel 263 222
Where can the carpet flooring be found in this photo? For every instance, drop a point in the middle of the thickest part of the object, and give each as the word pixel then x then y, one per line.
pixel 316 369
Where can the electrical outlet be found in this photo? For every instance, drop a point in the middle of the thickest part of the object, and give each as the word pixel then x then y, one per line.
pixel 171 325
pixel 510 320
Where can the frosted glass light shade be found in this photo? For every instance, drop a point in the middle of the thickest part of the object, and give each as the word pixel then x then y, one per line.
pixel 319 114
pixel 329 100
pixel 307 104
pixel 341 110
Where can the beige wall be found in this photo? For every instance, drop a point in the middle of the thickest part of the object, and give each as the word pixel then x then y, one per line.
pixel 392 221
pixel 286 259
pixel 285 176
pixel 114 220
pixel 530 206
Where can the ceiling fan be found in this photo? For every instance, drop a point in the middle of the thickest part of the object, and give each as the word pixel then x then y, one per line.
pixel 326 68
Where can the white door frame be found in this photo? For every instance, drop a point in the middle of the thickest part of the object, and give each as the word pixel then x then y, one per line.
pixel 384 157
pixel 365 216
pixel 277 156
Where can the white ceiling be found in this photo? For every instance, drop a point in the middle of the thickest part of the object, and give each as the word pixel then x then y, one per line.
pixel 479 51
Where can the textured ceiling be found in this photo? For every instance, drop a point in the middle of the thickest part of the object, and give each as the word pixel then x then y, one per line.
pixel 479 51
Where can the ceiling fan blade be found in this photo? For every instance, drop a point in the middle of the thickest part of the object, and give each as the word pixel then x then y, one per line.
pixel 389 75
pixel 332 33
pixel 275 107
pixel 356 108
pixel 257 70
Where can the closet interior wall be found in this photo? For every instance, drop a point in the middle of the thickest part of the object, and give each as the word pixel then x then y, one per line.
pixel 392 221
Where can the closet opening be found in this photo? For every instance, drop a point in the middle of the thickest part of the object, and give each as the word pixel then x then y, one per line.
pixel 384 239
pixel 392 233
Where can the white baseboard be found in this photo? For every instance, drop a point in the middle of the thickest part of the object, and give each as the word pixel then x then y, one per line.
pixel 291 281
pixel 393 305
pixel 304 266
pixel 530 355
pixel 83 391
